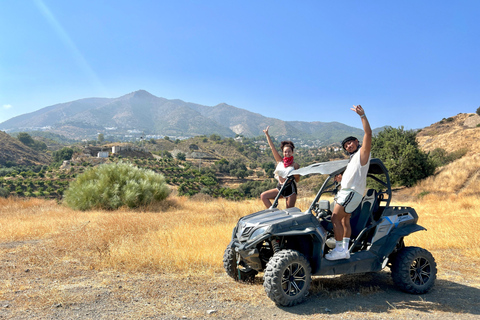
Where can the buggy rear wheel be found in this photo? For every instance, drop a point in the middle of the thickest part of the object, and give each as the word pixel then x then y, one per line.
pixel 287 278
pixel 414 270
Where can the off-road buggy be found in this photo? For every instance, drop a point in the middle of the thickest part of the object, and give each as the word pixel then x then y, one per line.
pixel 289 245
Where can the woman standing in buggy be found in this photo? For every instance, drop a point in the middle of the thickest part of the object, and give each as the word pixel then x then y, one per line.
pixel 284 166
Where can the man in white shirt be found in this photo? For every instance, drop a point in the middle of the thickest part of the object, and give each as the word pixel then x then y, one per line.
pixel 354 181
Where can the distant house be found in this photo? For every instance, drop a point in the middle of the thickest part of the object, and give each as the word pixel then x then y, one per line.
pixel 118 149
pixel 91 151
pixel 102 154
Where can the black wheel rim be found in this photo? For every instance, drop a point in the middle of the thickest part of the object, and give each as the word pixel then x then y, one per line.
pixel 420 271
pixel 294 279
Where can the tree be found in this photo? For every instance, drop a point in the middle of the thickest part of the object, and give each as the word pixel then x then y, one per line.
pixel 399 151
pixel 181 156
pixel 101 137
pixel 26 139
pixel 215 137
pixel 478 111
pixel 65 153
pixel 269 168
pixel 239 173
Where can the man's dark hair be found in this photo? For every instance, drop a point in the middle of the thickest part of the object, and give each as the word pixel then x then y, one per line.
pixel 346 140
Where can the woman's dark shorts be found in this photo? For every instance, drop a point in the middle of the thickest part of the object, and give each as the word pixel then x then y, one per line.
pixel 289 190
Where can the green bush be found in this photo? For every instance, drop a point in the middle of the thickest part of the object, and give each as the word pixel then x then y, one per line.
pixel 440 157
pixel 110 186
pixel 4 192
pixel 181 156
pixel 253 189
pixel 399 151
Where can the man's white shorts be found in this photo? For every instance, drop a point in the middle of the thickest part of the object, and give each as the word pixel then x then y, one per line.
pixel 349 199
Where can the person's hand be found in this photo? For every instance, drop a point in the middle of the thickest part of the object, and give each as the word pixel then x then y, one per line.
pixel 266 130
pixel 338 177
pixel 358 109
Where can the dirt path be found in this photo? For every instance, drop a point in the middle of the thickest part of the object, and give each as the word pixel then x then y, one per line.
pixel 67 290
pixel 472 178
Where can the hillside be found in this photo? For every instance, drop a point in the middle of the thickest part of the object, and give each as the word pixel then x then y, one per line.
pixel 13 151
pixel 452 134
pixel 461 177
pixel 142 114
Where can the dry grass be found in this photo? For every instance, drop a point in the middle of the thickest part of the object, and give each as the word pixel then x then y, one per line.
pixel 188 237
pixel 461 177
pixel 183 236
pixel 461 133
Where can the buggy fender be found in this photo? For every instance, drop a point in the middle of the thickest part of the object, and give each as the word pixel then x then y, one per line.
pixel 393 238
pixel 318 234
pixel 230 245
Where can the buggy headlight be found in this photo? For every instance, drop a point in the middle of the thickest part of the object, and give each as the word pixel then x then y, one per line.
pixel 258 232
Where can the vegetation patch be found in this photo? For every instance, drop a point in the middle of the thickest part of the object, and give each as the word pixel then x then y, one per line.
pixel 423 194
pixel 402 156
pixel 110 186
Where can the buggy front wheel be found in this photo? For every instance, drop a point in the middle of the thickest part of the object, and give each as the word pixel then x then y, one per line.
pixel 287 278
pixel 239 272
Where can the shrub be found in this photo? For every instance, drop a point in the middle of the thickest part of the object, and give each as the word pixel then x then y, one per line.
pixel 110 186
pixel 65 153
pixel 440 157
pixel 478 111
pixel 4 193
pixel 399 150
pixel 181 156
pixel 253 189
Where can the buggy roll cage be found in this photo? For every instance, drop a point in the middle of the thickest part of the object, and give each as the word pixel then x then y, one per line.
pixel 376 171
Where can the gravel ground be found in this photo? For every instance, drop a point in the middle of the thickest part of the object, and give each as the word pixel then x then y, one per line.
pixel 68 290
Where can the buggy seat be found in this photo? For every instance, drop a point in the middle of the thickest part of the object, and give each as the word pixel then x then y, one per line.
pixel 364 214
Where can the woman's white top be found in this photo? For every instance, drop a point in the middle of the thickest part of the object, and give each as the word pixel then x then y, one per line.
pixel 281 171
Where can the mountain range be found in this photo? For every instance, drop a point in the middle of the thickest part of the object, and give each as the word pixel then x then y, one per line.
pixel 142 114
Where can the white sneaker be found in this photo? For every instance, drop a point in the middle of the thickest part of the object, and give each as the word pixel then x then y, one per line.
pixel 337 255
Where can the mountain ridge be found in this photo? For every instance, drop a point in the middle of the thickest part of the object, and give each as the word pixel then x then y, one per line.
pixel 146 114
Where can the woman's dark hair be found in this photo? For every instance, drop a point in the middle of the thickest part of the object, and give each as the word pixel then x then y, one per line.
pixel 287 143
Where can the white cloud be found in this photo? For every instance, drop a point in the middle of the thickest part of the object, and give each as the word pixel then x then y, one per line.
pixel 7 106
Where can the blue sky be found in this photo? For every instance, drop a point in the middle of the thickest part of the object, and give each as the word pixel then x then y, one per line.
pixel 408 63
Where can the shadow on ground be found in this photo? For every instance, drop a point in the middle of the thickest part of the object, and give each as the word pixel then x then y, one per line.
pixel 376 293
